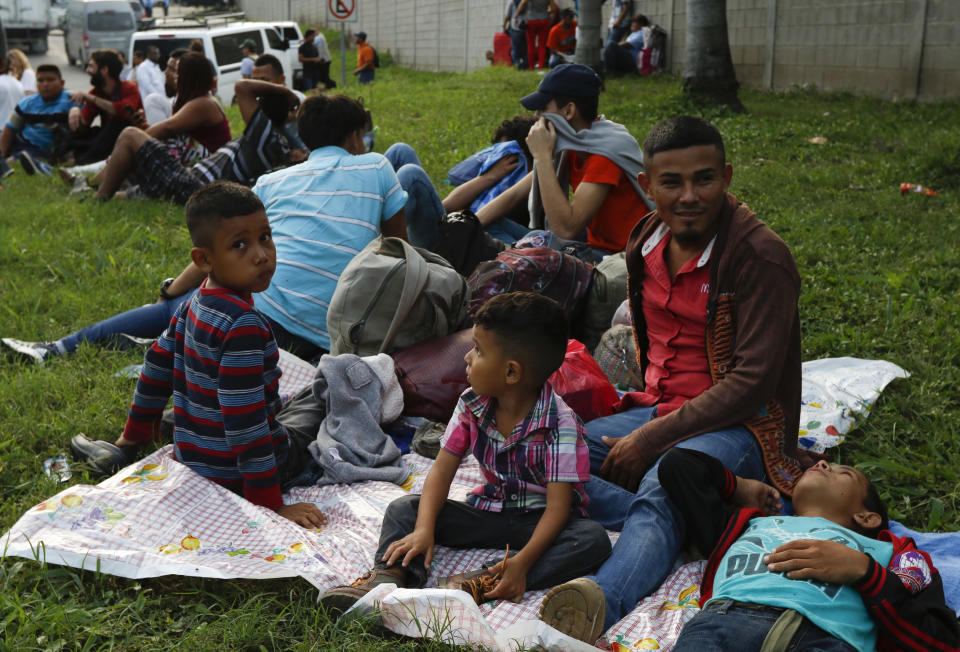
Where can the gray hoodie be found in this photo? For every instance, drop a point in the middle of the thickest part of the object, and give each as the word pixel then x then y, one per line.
pixel 606 138
pixel 357 396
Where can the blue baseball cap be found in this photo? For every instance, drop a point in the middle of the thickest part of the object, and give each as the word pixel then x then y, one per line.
pixel 566 80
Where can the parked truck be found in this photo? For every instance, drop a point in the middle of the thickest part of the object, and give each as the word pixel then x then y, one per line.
pixel 27 23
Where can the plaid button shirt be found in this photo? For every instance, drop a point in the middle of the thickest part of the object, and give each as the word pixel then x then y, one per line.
pixel 547 446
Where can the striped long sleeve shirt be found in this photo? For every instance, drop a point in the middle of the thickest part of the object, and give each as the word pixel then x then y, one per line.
pixel 218 358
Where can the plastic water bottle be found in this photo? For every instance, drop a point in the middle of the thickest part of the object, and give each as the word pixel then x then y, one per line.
pixel 916 187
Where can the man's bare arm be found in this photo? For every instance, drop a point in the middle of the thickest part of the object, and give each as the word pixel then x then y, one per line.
pixel 506 201
pixel 248 91
pixel 395 226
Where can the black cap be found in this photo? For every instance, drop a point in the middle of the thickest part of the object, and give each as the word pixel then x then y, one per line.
pixel 361 35
pixel 566 80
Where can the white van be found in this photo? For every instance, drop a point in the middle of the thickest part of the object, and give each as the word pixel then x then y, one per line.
pixel 221 44
pixel 97 25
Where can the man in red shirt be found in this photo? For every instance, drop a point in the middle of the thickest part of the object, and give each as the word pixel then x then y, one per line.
pixel 562 40
pixel 116 102
pixel 713 295
pixel 599 158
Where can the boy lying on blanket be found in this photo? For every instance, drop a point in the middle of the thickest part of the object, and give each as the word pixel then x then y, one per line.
pixel 218 358
pixel 534 459
pixel 830 578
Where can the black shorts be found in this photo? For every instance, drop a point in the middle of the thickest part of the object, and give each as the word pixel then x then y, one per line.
pixel 162 176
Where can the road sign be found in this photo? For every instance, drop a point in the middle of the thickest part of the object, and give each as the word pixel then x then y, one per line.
pixel 344 11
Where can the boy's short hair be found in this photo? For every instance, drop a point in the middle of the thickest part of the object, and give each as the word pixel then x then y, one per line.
pixel 325 120
pixel 49 67
pixel 873 502
pixel 109 59
pixel 215 202
pixel 269 60
pixel 530 328
pixel 681 132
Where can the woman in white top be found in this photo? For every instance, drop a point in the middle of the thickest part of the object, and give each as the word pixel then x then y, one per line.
pixel 20 68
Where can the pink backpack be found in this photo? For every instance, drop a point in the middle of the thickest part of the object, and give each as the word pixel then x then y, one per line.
pixel 553 274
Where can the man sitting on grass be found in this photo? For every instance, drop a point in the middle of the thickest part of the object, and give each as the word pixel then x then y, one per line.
pixel 713 295
pixel 831 577
pixel 218 358
pixel 533 458
pixel 32 126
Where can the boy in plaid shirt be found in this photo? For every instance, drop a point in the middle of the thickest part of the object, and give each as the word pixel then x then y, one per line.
pixel 533 457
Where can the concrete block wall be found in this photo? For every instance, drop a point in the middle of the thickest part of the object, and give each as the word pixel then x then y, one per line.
pixel 887 48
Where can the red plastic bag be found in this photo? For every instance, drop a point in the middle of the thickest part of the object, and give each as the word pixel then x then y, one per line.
pixel 582 384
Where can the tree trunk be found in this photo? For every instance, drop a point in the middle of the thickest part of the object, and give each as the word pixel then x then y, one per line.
pixel 591 38
pixel 708 72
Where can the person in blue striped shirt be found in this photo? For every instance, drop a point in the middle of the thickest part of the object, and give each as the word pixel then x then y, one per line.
pixel 323 212
pixel 34 121
pixel 218 358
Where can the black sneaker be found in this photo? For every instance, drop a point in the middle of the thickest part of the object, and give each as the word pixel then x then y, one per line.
pixel 36 351
pixel 102 456
pixel 5 169
pixel 28 164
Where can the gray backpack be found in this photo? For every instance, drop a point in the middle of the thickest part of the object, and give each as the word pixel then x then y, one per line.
pixel 392 295
pixel 608 289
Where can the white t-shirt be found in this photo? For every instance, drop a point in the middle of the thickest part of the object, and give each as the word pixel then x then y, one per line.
pixel 28 80
pixel 149 79
pixel 11 92
pixel 321 43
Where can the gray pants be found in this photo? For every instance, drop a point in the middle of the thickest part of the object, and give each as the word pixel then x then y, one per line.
pixel 580 548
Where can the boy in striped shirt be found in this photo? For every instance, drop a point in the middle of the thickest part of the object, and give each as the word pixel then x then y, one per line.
pixel 219 359
pixel 533 458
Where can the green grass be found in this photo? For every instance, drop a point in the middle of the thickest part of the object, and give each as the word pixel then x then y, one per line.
pixel 881 279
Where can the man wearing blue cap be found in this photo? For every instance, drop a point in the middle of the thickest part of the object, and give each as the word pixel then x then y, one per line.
pixel 572 146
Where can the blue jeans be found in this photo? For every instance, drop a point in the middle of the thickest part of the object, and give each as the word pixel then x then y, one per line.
pixel 652 532
pixel 617 34
pixel 146 321
pixel 728 625
pixel 424 210
pixel 366 76
pixel 518 48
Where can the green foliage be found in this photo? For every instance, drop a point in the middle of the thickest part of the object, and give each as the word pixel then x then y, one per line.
pixel 881 279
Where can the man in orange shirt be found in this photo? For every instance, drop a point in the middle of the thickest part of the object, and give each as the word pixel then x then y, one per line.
pixel 562 41
pixel 599 159
pixel 366 65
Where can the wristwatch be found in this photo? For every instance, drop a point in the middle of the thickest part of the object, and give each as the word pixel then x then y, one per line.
pixel 167 282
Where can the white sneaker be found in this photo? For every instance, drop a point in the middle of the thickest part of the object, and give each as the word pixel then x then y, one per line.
pixel 36 351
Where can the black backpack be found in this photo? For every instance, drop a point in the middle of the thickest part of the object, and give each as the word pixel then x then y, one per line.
pixel 463 242
pixel 376 57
